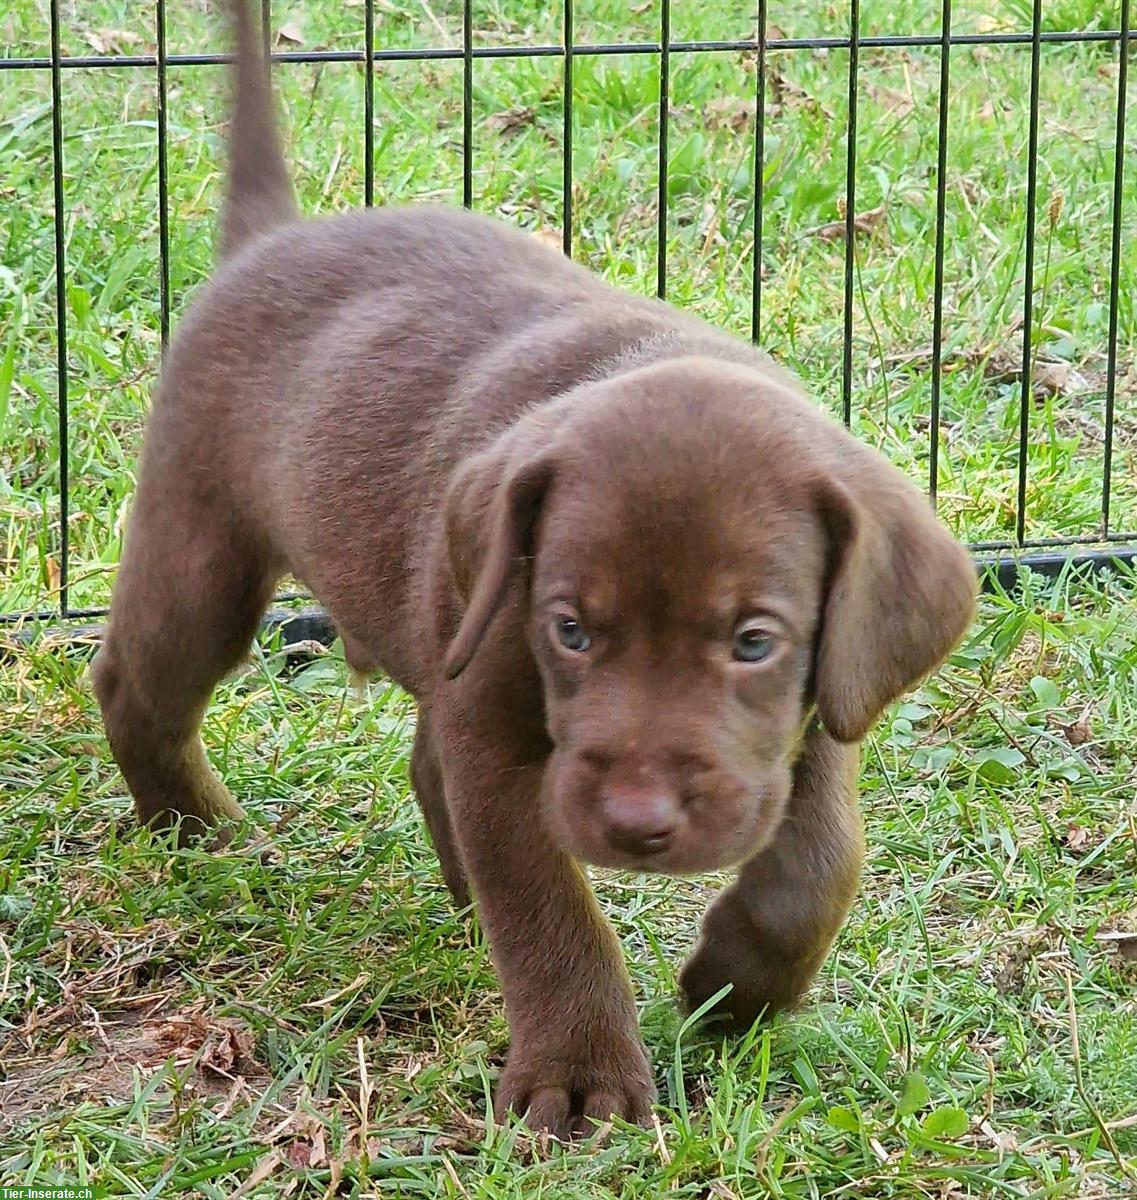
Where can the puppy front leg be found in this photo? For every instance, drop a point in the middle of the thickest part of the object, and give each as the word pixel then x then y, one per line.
pixel 769 931
pixel 576 1051
pixel 426 779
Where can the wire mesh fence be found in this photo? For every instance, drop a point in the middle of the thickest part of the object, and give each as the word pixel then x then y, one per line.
pixel 1103 539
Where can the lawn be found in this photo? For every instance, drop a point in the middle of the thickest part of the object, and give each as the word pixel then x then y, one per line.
pixel 306 1011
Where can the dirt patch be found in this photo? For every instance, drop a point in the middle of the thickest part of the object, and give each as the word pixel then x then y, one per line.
pixel 200 1055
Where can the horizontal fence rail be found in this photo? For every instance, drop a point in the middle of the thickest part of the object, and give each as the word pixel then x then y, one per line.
pixel 998 560
pixel 435 53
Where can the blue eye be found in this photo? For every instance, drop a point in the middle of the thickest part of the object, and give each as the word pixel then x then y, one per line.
pixel 570 633
pixel 752 643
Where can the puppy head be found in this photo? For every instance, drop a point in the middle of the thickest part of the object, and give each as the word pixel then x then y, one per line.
pixel 702 562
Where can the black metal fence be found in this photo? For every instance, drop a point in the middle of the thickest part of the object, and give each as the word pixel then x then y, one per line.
pixel 1106 545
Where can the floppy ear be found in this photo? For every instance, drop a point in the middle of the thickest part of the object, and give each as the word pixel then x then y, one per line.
pixel 901 594
pixel 491 509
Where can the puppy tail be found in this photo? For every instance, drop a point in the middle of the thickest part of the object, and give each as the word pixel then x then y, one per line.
pixel 259 192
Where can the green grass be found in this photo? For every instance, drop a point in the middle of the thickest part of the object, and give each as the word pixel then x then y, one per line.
pixel 112 212
pixel 936 1056
pixel 169 1022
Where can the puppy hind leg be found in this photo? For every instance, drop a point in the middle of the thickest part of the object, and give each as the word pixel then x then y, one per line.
pixel 426 779
pixel 190 592
pixel 768 933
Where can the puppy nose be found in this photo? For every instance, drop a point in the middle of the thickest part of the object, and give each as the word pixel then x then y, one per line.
pixel 640 821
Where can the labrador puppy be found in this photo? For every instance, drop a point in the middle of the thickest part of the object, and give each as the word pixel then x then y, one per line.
pixel 647 597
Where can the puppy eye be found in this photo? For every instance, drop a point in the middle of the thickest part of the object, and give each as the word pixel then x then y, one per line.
pixel 753 643
pixel 570 633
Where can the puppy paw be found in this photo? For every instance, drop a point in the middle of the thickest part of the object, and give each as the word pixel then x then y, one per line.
pixel 760 985
pixel 567 1095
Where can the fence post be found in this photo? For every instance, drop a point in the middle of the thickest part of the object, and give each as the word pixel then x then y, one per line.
pixel 850 209
pixel 938 286
pixel 759 173
pixel 60 308
pixel 664 118
pixel 1115 263
pixel 1028 272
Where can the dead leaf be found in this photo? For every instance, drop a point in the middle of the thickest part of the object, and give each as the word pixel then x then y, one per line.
pixel 1004 1143
pixel 54 577
pixel 830 232
pixel 222 1046
pixel 512 119
pixel 1079 733
pixel 1077 837
pixel 111 41
pixel 1058 379
pixel 784 92
pixel 892 100
pixel 552 238
pixel 1050 376
pixel 297 1154
pixel 258 1175
pixel 865 222
pixel 1126 943
pixel 730 112
pixel 356 1147
pixel 720 1191
pixel 290 31
pixel 950 1190
pixel 228 1048
pixel 336 1167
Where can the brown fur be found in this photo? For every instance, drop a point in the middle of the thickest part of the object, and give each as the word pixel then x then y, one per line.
pixel 456 438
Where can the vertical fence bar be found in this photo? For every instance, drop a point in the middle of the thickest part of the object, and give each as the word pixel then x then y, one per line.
pixel 369 103
pixel 1028 271
pixel 664 113
pixel 759 175
pixel 467 103
pixel 941 217
pixel 1115 265
pixel 60 307
pixel 850 210
pixel 566 145
pixel 163 176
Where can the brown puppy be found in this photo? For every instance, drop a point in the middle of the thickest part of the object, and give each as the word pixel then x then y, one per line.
pixel 648 598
